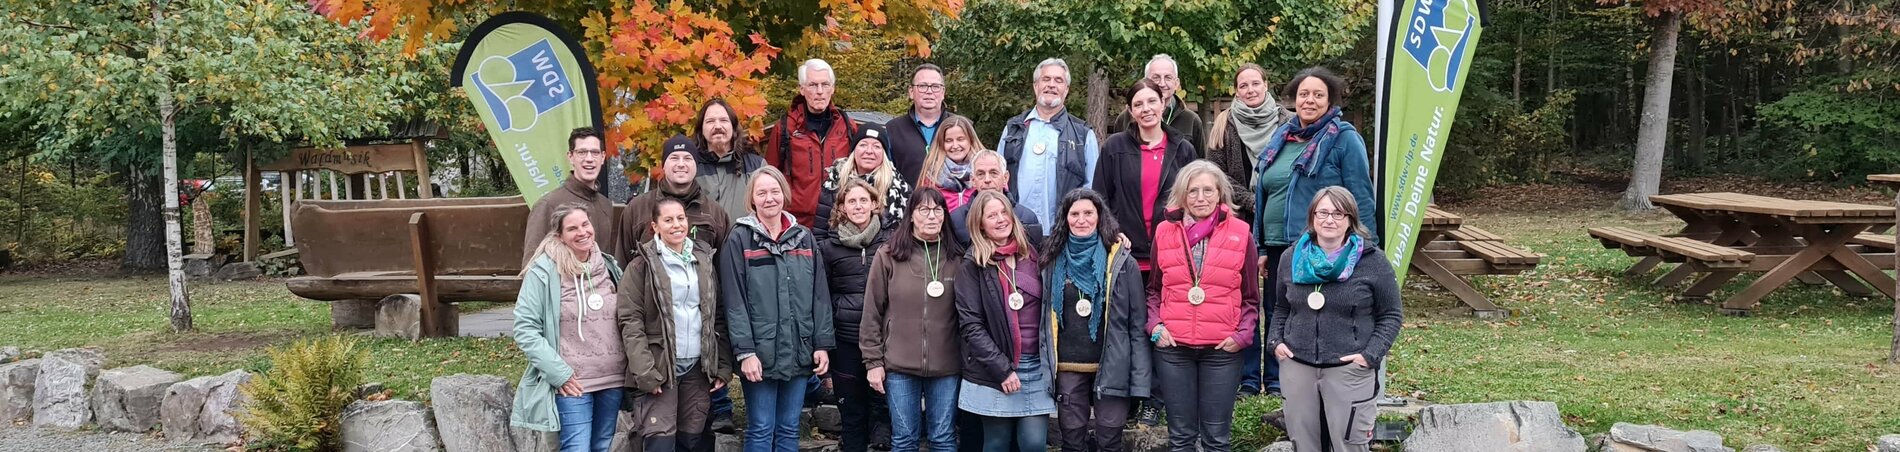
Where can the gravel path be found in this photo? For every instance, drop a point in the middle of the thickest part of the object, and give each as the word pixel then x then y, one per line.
pixel 14 438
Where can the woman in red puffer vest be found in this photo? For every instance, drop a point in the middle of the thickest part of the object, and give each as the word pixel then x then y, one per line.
pixel 1201 312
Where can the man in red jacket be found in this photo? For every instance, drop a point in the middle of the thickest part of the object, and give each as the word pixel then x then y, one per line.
pixel 811 136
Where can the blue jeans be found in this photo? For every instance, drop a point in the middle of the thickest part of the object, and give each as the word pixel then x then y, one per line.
pixel 721 402
pixel 772 408
pixel 1018 434
pixel 588 421
pixel 922 409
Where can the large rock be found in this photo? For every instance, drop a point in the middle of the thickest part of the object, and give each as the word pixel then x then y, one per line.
pixel 728 443
pixel 201 266
pixel 353 314
pixel 388 426
pixel 59 392
pixel 1887 443
pixel 1142 438
pixel 9 354
pixel 471 412
pixel 1280 446
pixel 1499 426
pixel 16 390
pixel 202 409
pixel 127 399
pixel 825 418
pixel 238 270
pixel 1649 438
pixel 400 315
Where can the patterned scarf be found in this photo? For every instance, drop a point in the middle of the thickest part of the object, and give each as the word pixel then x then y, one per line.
pixel 1088 260
pixel 1318 136
pixel 1311 264
pixel 859 237
pixel 955 176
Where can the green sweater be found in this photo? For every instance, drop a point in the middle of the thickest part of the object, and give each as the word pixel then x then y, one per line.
pixel 538 335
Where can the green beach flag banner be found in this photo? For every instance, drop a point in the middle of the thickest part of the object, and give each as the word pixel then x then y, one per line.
pixel 532 85
pixel 1427 48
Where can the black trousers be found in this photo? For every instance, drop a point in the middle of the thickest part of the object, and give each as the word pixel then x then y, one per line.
pixel 1088 421
pixel 1201 407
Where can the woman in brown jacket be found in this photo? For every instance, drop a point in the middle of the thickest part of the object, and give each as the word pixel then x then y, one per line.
pixel 909 332
pixel 673 332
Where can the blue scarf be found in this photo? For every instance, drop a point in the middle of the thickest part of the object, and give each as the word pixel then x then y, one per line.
pixel 1086 256
pixel 1318 136
pixel 1311 265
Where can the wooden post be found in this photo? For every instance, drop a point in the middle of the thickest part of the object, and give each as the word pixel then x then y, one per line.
pixel 1893 354
pixel 253 191
pixel 402 187
pixel 335 194
pixel 289 189
pixel 422 167
pixel 425 274
pixel 382 184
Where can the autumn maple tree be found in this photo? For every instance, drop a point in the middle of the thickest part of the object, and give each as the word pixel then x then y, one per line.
pixel 656 63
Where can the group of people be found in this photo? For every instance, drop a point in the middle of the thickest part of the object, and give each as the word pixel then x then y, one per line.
pixel 975 293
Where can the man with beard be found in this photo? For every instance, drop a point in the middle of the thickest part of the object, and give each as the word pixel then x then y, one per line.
pixel 1046 146
pixel 725 159
pixel 678 169
pixel 585 158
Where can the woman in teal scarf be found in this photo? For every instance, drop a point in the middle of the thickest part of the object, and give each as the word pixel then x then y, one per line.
pixel 1332 325
pixel 1102 358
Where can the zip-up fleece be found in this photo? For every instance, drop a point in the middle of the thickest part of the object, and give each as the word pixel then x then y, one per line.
pixel 905 330
pixel 538 335
pixel 1362 314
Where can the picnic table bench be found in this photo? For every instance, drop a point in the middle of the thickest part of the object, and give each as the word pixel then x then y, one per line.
pixel 1726 234
pixel 1450 250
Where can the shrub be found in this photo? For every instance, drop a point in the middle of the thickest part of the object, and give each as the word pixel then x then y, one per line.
pixel 297 404
pixel 1827 132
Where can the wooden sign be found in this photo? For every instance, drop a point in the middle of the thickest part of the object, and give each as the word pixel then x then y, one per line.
pixel 375 158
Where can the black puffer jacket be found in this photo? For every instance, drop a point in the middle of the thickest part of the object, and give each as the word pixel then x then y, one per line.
pixel 846 267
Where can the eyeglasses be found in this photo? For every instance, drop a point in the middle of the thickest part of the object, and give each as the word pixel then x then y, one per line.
pixel 927 87
pixel 1330 215
pixel 1203 192
pixel 587 152
pixel 928 211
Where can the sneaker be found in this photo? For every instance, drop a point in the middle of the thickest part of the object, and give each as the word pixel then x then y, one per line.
pixel 1274 392
pixel 1151 413
pixel 1248 391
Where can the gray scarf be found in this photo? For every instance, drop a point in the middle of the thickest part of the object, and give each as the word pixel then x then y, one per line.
pixel 1256 125
pixel 851 236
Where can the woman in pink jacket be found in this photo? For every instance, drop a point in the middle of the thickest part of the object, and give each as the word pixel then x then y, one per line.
pixel 1201 313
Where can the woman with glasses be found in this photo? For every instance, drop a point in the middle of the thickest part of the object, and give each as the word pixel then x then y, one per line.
pixel 909 334
pixel 1201 312
pixel 1333 326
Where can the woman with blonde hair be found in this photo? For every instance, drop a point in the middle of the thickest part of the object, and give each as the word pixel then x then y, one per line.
pixel 869 161
pixel 778 312
pixel 565 323
pixel 1333 327
pixel 1201 312
pixel 947 166
pixel 1007 356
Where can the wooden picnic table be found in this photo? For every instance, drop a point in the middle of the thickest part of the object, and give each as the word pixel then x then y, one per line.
pixel 1447 249
pixel 1787 239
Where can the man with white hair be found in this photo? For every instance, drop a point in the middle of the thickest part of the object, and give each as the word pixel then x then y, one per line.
pixel 1049 151
pixel 812 135
pixel 1165 74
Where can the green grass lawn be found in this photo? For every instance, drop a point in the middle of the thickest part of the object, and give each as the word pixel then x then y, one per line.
pixel 1804 372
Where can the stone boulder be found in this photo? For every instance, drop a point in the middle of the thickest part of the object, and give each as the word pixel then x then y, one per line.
pixel 203 409
pixel 201 266
pixel 825 418
pixel 388 426
pixel 400 315
pixel 59 392
pixel 534 441
pixel 238 270
pixel 127 399
pixel 1279 446
pixel 471 412
pixel 728 443
pixel 1142 438
pixel 1887 443
pixel 1762 448
pixel 16 390
pixel 1625 437
pixel 9 354
pixel 1523 426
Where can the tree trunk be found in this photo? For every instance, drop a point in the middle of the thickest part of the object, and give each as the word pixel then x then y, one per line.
pixel 1893 355
pixel 1653 132
pixel 144 224
pixel 1517 72
pixel 174 251
pixel 1698 113
pixel 202 240
pixel 1098 100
